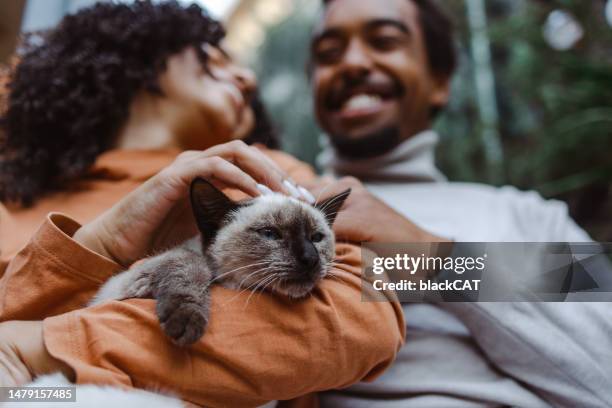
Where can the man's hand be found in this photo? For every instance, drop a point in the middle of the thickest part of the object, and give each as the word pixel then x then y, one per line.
pixel 365 218
pixel 158 215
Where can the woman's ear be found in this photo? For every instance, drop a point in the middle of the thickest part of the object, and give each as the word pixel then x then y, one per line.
pixel 210 207
pixel 332 205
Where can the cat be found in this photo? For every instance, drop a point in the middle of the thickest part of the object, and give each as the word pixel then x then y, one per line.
pixel 273 242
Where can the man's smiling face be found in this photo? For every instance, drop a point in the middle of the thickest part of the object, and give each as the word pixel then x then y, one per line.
pixel 370 73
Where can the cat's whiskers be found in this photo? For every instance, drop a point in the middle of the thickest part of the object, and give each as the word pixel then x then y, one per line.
pixel 267 263
pixel 236 270
pixel 270 267
pixel 252 285
pixel 331 274
pixel 237 295
pixel 253 274
pixel 277 278
pixel 254 290
pixel 262 284
pixel 273 281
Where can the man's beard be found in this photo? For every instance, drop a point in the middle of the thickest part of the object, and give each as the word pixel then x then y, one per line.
pixel 372 145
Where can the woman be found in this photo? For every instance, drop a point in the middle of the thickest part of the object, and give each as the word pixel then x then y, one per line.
pixel 87 90
pixel 97 116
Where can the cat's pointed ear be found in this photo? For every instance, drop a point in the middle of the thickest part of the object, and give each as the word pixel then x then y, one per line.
pixel 210 206
pixel 332 205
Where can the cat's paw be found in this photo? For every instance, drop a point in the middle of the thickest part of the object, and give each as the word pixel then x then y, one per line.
pixel 182 320
pixel 133 283
pixel 140 286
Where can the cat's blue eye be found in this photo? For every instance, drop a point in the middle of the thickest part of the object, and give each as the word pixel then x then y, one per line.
pixel 317 237
pixel 269 233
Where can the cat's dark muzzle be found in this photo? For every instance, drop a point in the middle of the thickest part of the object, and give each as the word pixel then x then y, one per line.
pixel 298 286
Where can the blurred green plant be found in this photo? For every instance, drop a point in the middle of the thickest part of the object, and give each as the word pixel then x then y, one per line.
pixel 555 106
pixel 555 109
pixel 281 70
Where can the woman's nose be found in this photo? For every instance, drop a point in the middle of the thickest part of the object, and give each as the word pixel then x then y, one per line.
pixel 246 80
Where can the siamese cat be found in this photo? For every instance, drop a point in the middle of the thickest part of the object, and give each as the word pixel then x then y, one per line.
pixel 273 243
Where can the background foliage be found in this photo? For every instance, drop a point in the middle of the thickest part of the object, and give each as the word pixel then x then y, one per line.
pixel 555 107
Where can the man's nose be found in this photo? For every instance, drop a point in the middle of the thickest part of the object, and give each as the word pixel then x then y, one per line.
pixel 356 62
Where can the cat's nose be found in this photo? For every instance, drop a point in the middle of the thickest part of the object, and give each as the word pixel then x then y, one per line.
pixel 308 258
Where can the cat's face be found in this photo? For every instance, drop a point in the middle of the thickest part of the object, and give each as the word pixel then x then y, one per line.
pixel 273 243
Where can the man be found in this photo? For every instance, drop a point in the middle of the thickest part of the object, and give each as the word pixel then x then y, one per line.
pixel 380 71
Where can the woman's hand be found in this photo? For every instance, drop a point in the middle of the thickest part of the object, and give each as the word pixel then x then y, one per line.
pixel 157 214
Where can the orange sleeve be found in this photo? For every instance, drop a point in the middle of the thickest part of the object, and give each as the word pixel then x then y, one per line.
pixel 256 348
pixel 52 274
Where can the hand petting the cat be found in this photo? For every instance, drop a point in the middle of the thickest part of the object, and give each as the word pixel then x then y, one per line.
pixel 157 214
pixel 365 218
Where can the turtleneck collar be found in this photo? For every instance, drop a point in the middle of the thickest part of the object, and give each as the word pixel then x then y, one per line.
pixel 411 161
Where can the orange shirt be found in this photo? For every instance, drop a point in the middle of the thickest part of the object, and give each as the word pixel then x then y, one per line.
pixel 270 349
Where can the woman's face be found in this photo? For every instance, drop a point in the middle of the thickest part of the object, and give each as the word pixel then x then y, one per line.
pixel 207 106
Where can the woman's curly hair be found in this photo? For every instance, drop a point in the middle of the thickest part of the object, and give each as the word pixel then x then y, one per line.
pixel 71 91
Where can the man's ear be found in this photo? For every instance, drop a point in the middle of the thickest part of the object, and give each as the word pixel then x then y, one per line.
pixel 332 205
pixel 210 206
pixel 440 93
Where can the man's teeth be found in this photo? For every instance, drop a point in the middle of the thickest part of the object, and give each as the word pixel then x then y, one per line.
pixel 362 101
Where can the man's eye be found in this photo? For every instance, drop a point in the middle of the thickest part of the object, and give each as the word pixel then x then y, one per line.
pixel 327 56
pixel 327 52
pixel 269 233
pixel 384 43
pixel 317 237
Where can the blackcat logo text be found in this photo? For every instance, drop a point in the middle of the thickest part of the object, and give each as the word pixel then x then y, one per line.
pixel 411 265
